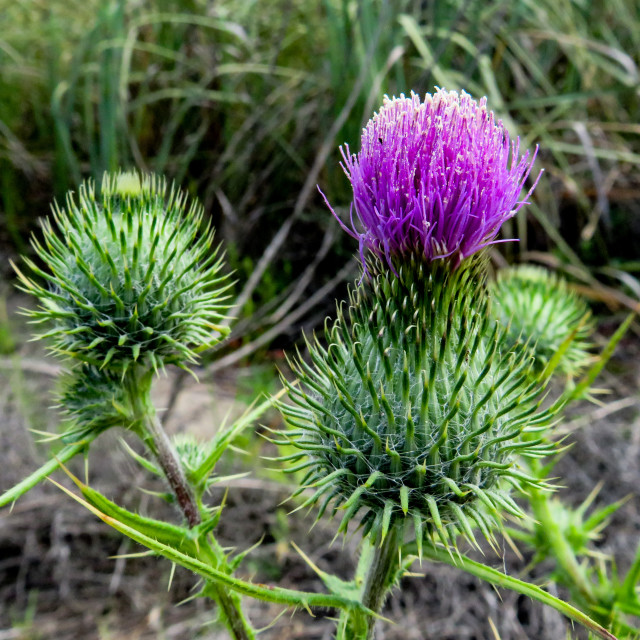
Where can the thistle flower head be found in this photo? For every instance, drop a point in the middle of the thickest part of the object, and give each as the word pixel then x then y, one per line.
pixel 433 179
pixel 416 409
pixel 130 276
pixel 542 316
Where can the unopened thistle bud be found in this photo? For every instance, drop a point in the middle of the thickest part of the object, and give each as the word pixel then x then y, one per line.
pixel 543 316
pixel 417 409
pixel 130 276
pixel 93 400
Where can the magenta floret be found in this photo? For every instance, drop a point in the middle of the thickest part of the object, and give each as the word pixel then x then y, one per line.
pixel 434 178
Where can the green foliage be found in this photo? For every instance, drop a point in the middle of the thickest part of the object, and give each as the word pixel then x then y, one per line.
pixel 541 312
pixel 417 408
pixel 243 101
pixel 500 579
pixel 566 535
pixel 159 85
pixel 132 277
pixel 195 548
pixel 167 541
pixel 576 525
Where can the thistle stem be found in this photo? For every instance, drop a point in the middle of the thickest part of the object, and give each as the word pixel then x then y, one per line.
pixel 376 570
pixel 159 443
pixel 228 601
pixel 234 619
pixel 381 576
pixel 154 436
pixel 560 547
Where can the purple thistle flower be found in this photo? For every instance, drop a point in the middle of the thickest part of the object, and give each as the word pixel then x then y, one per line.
pixel 434 178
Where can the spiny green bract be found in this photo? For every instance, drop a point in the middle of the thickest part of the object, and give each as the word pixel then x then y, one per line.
pixel 415 409
pixel 132 276
pixel 93 400
pixel 542 315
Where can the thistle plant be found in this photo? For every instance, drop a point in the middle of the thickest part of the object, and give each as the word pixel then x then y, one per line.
pixel 420 409
pixel 546 318
pixel 130 283
pixel 415 418
pixel 416 409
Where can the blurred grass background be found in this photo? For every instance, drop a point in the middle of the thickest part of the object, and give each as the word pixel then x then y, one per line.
pixel 244 103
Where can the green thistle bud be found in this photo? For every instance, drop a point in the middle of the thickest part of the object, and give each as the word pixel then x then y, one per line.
pixel 542 315
pixel 192 453
pixel 132 276
pixel 93 400
pixel 416 409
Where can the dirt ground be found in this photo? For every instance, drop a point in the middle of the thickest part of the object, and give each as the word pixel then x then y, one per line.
pixel 59 578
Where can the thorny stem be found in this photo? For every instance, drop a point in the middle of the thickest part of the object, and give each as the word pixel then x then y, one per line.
pixel 233 617
pixel 154 436
pixel 167 458
pixel 380 577
pixel 377 570
pixel 228 601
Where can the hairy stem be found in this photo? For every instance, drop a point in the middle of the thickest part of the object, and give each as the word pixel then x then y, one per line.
pixel 138 388
pixel 154 436
pixel 381 576
pixel 228 601
pixel 159 443
pixel 233 617
pixel 377 569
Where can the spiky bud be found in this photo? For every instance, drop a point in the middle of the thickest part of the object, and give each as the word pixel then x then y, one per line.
pixel 415 409
pixel 132 276
pixel 197 459
pixel 192 452
pixel 93 400
pixel 543 316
